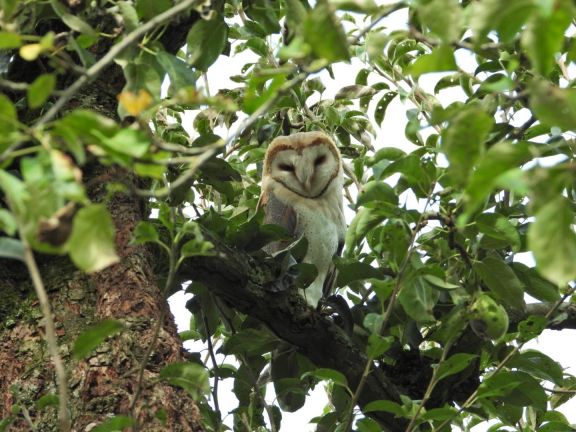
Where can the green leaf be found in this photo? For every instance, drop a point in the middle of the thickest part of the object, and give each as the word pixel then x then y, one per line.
pixel 47 400
pixel 499 159
pixel 190 376
pixel 441 59
pixel 39 91
pixel 380 110
pixel 7 222
pixel 385 406
pixel 378 345
pixel 9 40
pixel 181 75
pixel 14 190
pixel 206 41
pixel 454 364
pixel 72 21
pixel 354 91
pixel 553 106
pixel 145 232
pixel 115 424
pixel 498 231
pixel 91 338
pixel 502 281
pixel 418 298
pixel 148 9
pixel 264 12
pixel 553 241
pixel 538 365
pixel 250 342
pixel 364 221
pixel 498 385
pixel 350 271
pixel 131 142
pixel 463 141
pixel 328 374
pixel 374 193
pixel 325 34
pixel 543 37
pixel 506 17
pixel 11 248
pixel 91 244
pixel 536 285
pixel 366 424
pixel 443 18
pixel 8 116
pixel 360 6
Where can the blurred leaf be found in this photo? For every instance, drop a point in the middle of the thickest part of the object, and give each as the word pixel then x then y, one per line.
pixel 376 192
pixel 264 12
pixel 378 345
pixel 148 9
pixel 325 34
pixel 354 92
pixel 115 424
pixel 131 142
pixel 499 159
pixel 91 244
pixel 443 17
pixel 554 106
pixel 145 232
pixel 498 231
pixel 543 37
pixel 72 21
pixel 47 400
pixel 506 17
pixel 364 221
pixel 463 140
pixel 134 103
pixel 552 240
pixel 11 248
pixel 40 89
pixel 206 41
pixel 385 406
pixel 92 337
pixel 9 40
pixel 190 376
pixel 502 281
pixel 250 342
pixel 441 59
pixel 8 116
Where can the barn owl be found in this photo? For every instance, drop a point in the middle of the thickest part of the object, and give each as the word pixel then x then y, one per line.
pixel 302 184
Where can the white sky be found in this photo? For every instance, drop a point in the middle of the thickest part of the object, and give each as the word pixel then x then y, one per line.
pixel 391 134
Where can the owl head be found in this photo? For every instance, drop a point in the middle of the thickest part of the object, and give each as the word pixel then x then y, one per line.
pixel 306 163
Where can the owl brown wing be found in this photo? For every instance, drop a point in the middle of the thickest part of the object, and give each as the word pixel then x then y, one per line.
pixel 278 213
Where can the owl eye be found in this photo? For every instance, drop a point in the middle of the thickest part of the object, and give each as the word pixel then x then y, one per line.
pixel 286 167
pixel 319 160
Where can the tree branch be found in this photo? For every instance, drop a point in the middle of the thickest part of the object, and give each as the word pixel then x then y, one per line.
pixel 240 280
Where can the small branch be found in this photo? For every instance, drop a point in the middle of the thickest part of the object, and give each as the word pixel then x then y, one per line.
pixel 214 364
pixel 51 338
pixel 109 57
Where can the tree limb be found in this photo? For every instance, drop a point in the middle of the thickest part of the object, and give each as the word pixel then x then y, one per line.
pixel 239 279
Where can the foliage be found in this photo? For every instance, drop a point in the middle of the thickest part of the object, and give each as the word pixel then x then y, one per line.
pixel 432 252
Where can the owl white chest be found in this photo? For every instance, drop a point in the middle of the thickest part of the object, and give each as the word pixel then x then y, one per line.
pixel 321 221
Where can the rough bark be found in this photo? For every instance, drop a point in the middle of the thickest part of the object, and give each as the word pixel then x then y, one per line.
pixel 103 384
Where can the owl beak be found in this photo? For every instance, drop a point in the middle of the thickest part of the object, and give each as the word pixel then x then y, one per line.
pixel 304 176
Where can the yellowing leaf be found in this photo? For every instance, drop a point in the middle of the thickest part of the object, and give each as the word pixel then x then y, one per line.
pixel 31 52
pixel 135 103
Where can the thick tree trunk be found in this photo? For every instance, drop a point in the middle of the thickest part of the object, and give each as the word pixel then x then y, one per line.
pixel 105 383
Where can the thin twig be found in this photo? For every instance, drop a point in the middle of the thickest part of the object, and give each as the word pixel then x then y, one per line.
pixel 51 338
pixel 109 57
pixel 214 364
